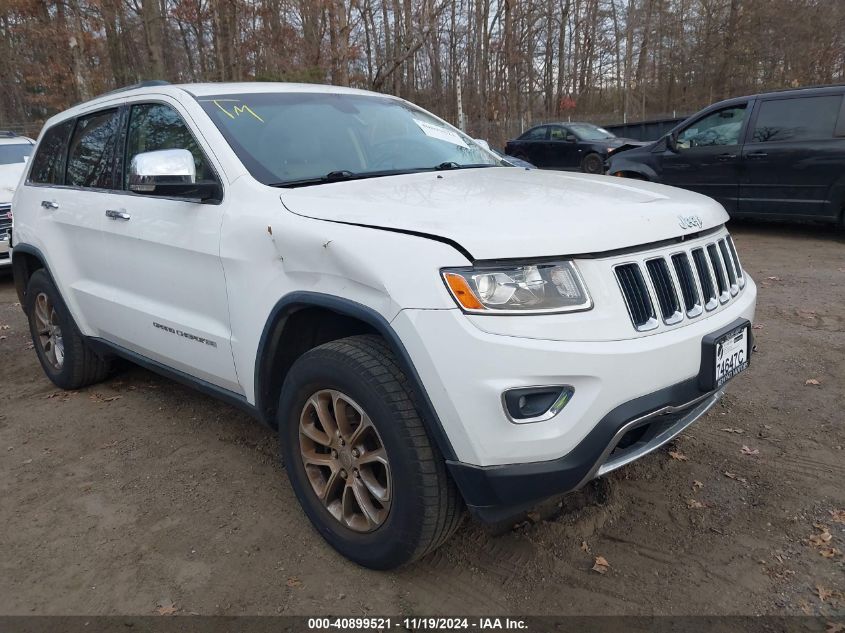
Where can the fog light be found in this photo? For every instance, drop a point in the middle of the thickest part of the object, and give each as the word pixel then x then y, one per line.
pixel 536 404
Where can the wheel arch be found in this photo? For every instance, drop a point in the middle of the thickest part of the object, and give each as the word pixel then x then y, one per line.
pixel 303 320
pixel 26 259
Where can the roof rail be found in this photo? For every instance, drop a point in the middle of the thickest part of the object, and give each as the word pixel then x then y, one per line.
pixel 8 134
pixel 141 84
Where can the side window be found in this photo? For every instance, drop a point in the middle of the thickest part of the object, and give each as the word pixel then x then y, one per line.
pixel 155 126
pixel 537 134
pixel 48 164
pixel 717 128
pixel 558 133
pixel 90 158
pixel 797 119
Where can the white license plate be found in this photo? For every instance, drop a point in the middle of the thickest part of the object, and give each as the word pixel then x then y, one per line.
pixel 731 355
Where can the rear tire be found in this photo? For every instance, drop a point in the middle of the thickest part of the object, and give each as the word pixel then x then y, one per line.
pixel 357 383
pixel 62 351
pixel 592 164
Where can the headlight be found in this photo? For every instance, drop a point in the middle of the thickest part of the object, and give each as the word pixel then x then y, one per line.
pixel 519 289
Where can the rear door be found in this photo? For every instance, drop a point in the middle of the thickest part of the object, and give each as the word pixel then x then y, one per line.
pixel 794 156
pixel 708 157
pixel 168 291
pixel 71 175
pixel 532 146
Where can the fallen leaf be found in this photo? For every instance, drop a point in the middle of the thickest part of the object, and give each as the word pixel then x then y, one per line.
pixel 745 450
pixel 837 516
pixel 601 565
pixel 757 326
pixel 678 455
pixel 730 429
pixel 823 593
pixel 774 278
pixel 697 485
pixel 693 503
pixel 165 607
pixel 829 552
pixel 584 546
pixel 735 477
pixel 96 397
pixel 812 381
pixel 293 581
pixel 835 627
pixel 534 517
pixel 823 537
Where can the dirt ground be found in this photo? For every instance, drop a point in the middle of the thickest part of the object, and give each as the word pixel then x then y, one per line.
pixel 139 493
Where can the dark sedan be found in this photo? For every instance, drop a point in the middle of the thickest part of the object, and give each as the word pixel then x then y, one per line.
pixel 571 146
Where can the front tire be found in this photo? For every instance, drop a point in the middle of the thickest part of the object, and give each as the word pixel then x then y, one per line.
pixel 358 457
pixel 62 351
pixel 592 164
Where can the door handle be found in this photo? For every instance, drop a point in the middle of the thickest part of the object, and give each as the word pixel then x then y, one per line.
pixel 117 214
pixel 757 155
pixel 50 205
pixel 726 156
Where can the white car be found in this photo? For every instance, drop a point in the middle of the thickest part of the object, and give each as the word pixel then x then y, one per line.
pixel 427 329
pixel 14 152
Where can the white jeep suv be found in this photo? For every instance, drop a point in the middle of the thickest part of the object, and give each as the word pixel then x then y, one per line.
pixel 14 152
pixel 428 329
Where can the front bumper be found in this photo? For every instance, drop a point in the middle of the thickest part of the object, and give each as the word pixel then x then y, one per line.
pixel 620 386
pixel 630 431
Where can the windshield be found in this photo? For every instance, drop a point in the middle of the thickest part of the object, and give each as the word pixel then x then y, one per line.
pixel 14 153
pixel 293 137
pixel 588 132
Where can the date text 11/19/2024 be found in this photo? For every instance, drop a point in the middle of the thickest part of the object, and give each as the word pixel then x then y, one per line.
pixel 417 624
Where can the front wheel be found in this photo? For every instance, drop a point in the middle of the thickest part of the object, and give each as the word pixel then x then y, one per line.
pixel 358 457
pixel 592 164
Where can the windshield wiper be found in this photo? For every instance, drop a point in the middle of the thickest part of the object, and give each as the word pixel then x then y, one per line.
pixel 342 175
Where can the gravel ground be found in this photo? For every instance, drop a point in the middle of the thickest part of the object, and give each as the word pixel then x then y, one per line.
pixel 139 494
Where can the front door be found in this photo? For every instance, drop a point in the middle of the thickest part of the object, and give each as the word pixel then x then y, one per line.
pixel 707 157
pixel 563 149
pixel 163 262
pixel 793 158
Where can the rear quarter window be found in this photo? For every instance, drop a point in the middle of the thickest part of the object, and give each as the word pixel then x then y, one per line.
pixel 48 164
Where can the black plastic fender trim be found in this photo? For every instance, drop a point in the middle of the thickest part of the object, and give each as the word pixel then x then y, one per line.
pixel 29 249
pixel 298 300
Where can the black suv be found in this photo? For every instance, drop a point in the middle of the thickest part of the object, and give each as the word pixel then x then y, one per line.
pixel 776 155
pixel 570 146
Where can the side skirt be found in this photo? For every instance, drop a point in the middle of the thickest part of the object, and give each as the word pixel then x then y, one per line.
pixel 229 397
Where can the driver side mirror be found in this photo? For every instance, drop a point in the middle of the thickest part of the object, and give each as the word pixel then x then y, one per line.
pixel 571 138
pixel 672 142
pixel 170 173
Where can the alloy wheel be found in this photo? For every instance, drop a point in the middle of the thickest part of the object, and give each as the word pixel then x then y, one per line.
pixel 345 460
pixel 49 331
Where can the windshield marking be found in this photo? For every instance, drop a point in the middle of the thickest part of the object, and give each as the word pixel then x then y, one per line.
pixel 238 110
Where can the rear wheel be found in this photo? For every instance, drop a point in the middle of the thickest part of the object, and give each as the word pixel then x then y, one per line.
pixel 64 355
pixel 592 164
pixel 358 456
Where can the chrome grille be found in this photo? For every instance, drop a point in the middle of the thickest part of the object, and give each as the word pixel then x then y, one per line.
pixel 686 280
pixel 637 297
pixel 5 218
pixel 664 288
pixel 680 285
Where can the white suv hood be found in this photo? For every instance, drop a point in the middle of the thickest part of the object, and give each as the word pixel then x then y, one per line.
pixel 498 213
